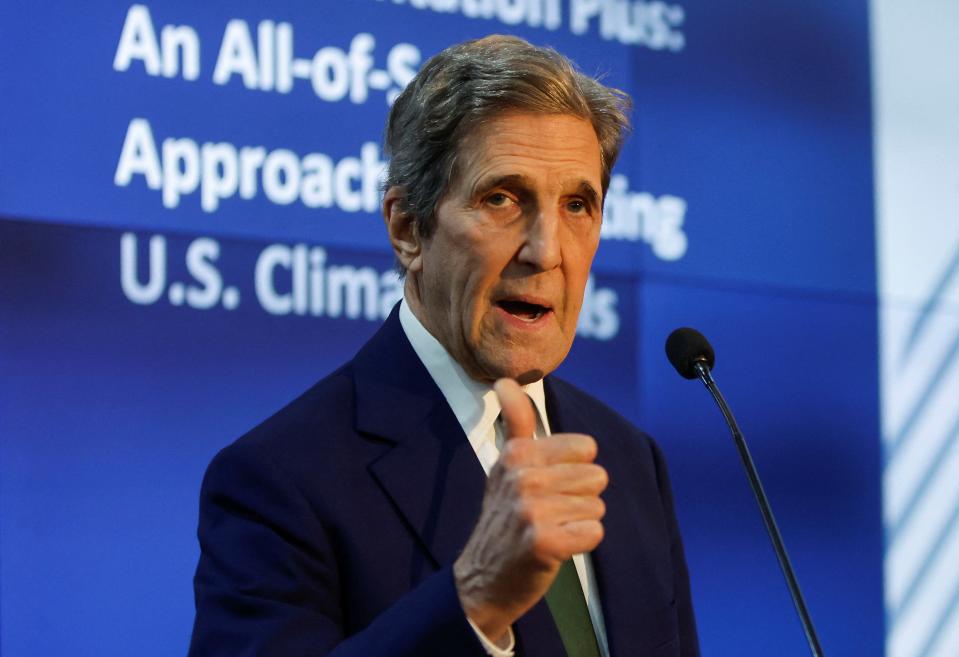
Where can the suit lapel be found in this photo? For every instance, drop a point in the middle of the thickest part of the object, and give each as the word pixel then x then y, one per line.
pixel 431 473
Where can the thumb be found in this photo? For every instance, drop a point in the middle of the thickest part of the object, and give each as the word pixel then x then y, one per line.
pixel 519 415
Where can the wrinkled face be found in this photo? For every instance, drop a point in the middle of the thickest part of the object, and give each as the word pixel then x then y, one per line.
pixel 500 281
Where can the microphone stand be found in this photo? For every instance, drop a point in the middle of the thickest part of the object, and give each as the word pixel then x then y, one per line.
pixel 702 367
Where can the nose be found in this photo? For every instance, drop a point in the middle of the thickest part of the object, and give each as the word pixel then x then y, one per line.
pixel 542 249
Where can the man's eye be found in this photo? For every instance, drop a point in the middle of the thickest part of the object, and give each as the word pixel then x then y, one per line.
pixel 577 206
pixel 498 199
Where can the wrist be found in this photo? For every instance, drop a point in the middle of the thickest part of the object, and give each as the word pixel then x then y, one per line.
pixel 485 616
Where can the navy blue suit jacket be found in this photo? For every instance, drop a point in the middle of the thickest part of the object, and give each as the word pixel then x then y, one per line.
pixel 331 528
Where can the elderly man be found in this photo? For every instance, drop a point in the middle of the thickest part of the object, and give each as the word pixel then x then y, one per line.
pixel 440 494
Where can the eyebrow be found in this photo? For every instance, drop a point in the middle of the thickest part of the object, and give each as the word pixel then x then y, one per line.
pixel 483 185
pixel 584 188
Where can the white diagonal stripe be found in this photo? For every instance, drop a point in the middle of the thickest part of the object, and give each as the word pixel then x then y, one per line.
pixel 916 137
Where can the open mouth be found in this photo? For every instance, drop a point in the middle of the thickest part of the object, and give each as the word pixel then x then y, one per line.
pixel 524 310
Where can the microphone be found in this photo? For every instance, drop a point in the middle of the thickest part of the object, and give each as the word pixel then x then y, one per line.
pixel 692 356
pixel 685 347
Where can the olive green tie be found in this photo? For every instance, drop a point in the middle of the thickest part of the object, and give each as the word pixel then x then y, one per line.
pixel 570 613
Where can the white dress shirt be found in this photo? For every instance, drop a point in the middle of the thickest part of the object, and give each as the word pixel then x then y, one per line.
pixel 477 409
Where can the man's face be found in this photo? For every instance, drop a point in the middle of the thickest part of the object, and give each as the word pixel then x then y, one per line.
pixel 500 281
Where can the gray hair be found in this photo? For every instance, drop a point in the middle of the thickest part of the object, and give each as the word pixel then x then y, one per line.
pixel 473 82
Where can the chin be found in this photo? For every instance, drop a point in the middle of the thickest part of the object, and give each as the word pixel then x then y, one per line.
pixel 525 361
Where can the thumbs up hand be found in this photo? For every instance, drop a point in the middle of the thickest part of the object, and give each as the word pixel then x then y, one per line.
pixel 541 506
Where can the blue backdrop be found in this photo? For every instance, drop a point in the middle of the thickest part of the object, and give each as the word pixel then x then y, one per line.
pixel 189 237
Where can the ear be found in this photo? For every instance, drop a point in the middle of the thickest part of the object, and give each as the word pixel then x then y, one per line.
pixel 401 228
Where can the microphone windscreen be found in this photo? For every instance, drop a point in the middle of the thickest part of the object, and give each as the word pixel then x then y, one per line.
pixel 684 347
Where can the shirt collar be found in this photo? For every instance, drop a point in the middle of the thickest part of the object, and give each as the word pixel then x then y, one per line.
pixel 473 402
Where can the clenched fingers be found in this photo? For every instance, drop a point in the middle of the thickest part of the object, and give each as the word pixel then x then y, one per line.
pixel 560 478
pixel 560 542
pixel 558 448
pixel 560 509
